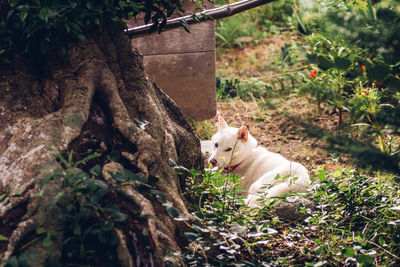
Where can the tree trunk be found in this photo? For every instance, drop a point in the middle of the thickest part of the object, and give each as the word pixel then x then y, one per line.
pixel 91 100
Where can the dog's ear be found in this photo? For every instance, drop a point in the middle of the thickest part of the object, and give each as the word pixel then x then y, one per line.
pixel 243 134
pixel 221 123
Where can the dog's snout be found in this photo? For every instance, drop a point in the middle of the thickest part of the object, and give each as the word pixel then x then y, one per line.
pixel 213 162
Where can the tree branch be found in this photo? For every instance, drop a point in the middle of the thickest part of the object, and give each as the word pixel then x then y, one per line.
pixel 210 14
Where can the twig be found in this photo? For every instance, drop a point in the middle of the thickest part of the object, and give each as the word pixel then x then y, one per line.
pixel 387 251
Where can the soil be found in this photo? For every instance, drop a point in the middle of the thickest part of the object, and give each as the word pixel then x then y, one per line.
pixel 276 122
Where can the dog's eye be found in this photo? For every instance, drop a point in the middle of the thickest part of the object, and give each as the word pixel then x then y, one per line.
pixel 216 144
pixel 228 149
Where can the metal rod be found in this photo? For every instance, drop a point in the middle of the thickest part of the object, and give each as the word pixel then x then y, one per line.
pixel 209 14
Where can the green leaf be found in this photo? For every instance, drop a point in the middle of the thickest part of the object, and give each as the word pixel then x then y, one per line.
pixel 55 200
pixel 107 225
pixel 24 257
pixel 44 14
pixel 378 72
pixel 12 262
pixel 324 62
pixel 77 230
pixel 47 240
pixel 321 176
pixel 157 194
pixel 50 177
pixel 40 230
pixel 190 236
pixel 3 238
pixel 96 170
pixel 118 176
pixel 98 187
pixel 87 158
pixel 371 12
pixel 24 15
pixel 119 216
pixel 342 63
pixel 172 163
pixel 14 3
pixel 114 156
pixel 364 260
pixel 133 176
pixel 174 213
pixel 348 252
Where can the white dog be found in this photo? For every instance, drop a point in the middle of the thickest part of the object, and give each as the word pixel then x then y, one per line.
pixel 237 151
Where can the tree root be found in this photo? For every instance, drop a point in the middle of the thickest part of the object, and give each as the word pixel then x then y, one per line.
pixel 27 151
pixel 146 207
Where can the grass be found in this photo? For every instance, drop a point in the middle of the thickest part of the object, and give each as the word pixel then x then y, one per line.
pixel 204 129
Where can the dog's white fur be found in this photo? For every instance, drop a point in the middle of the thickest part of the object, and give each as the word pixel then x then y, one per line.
pixel 257 166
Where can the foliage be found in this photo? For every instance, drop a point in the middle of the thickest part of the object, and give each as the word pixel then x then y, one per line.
pixel 89 215
pixel 21 260
pixel 310 15
pixel 36 27
pixel 245 89
pixel 89 221
pixel 363 38
pixel 366 108
pixel 356 221
pixel 203 129
pixel 225 232
pixel 337 72
pixel 237 32
pixel 358 216
pixel 252 26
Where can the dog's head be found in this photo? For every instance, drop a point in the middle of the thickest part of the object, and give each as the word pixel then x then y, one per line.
pixel 230 145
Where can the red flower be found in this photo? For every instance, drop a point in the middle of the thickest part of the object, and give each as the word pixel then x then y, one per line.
pixel 312 74
pixel 328 164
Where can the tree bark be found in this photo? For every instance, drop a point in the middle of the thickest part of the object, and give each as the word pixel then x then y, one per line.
pixel 90 101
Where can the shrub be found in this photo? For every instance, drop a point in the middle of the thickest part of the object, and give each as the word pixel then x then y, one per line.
pixel 35 27
pixel 254 25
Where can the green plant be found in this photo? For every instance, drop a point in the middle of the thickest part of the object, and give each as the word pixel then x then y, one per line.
pixel 19 261
pixel 366 36
pixel 356 221
pixel 204 129
pixel 89 220
pixel 236 32
pixel 226 232
pixel 252 26
pixel 311 16
pixel 358 216
pixel 35 27
pixel 336 73
pixel 244 89
pixel 364 107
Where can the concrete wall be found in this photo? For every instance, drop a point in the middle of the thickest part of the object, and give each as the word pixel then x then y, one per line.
pixel 183 65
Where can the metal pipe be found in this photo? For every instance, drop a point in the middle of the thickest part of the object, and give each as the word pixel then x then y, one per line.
pixel 209 14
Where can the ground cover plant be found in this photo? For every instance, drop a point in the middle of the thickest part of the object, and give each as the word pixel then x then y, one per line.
pixel 355 221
